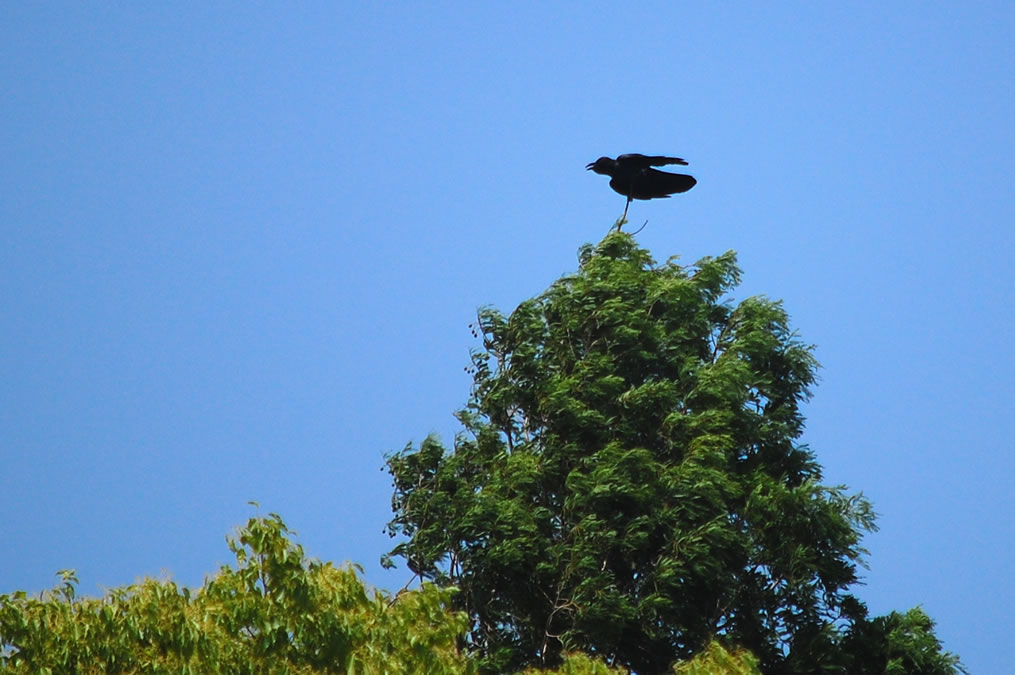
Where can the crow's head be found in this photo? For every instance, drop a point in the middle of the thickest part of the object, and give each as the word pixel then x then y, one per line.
pixel 601 165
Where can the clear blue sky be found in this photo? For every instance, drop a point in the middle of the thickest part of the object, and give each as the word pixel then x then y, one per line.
pixel 240 249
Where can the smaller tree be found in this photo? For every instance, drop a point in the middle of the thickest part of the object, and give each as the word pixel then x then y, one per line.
pixel 274 612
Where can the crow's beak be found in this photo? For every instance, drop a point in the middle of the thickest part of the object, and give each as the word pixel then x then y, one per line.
pixel 588 167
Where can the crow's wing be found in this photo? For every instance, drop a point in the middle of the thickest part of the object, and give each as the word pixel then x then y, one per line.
pixel 644 161
pixel 652 184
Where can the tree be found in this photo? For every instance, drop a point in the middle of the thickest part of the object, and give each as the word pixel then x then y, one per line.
pixel 629 481
pixel 275 612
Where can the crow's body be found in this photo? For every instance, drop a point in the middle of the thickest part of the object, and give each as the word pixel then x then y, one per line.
pixel 633 176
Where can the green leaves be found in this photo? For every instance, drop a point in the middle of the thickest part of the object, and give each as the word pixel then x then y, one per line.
pixel 629 480
pixel 275 611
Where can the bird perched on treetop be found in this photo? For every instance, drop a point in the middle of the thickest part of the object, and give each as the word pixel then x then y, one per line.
pixel 632 176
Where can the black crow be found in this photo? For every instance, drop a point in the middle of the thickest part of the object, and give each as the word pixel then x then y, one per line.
pixel 632 176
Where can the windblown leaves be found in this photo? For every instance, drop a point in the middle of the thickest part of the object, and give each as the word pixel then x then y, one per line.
pixel 629 481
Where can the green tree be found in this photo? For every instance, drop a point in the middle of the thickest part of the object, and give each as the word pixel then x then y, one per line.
pixel 274 612
pixel 630 483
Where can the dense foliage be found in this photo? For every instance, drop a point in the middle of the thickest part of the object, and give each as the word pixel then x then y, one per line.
pixel 630 483
pixel 275 612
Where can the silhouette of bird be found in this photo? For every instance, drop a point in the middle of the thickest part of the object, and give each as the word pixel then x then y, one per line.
pixel 632 176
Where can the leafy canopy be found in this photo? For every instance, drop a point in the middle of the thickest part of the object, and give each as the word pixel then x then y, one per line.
pixel 274 612
pixel 629 481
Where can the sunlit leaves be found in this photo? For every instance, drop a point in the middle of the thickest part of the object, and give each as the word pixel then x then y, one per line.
pixel 274 611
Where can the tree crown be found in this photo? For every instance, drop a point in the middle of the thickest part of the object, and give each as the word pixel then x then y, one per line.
pixel 629 480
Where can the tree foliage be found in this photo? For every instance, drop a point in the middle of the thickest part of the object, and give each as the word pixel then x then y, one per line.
pixel 629 481
pixel 274 612
pixel 896 644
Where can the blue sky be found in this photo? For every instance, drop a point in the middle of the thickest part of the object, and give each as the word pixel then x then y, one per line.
pixel 240 248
